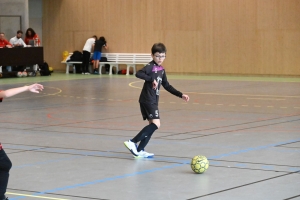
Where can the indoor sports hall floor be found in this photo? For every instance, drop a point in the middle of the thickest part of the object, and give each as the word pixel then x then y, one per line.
pixel 67 142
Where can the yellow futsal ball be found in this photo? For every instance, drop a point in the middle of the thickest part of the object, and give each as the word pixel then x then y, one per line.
pixel 199 164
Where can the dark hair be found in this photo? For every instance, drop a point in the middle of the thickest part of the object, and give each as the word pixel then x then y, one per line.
pixel 19 31
pixel 158 47
pixel 32 32
pixel 102 39
pixel 95 36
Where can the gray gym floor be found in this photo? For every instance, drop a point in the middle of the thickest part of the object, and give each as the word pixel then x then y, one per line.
pixel 67 142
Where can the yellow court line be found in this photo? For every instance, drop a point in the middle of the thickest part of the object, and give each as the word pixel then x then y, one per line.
pixel 131 84
pixel 40 197
pixel 206 104
pixel 268 99
pixel 249 95
pixel 59 90
pixel 42 94
pixel 222 94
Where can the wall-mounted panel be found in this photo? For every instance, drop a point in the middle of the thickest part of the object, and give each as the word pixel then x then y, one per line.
pixel 247 37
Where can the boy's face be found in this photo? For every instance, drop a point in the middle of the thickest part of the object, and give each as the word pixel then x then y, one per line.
pixel 159 57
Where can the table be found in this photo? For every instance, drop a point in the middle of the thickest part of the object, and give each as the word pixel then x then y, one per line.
pixel 21 56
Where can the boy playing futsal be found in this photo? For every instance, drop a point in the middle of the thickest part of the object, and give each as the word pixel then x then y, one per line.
pixel 5 163
pixel 154 75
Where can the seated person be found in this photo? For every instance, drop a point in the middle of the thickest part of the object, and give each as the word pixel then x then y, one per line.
pixel 31 35
pixel 17 41
pixel 3 42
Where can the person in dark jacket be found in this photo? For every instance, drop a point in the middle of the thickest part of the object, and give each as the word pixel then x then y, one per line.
pixel 5 163
pixel 99 44
pixel 154 75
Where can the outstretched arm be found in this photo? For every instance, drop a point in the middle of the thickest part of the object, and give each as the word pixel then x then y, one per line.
pixel 35 88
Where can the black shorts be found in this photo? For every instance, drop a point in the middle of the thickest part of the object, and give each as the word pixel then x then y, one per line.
pixel 149 111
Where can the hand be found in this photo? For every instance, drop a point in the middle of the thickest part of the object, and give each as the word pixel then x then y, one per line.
pixel 35 88
pixel 185 97
pixel 154 85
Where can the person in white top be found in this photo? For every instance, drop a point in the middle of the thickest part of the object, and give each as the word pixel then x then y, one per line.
pixel 17 41
pixel 86 54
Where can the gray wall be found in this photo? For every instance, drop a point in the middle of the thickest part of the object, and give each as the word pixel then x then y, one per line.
pixel 13 8
pixel 36 17
pixel 31 12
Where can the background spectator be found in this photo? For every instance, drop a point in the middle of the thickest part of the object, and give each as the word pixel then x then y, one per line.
pixel 99 44
pixel 31 35
pixel 4 42
pixel 86 53
pixel 17 41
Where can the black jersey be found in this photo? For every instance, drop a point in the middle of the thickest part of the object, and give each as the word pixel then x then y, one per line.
pixel 150 72
pixel 99 44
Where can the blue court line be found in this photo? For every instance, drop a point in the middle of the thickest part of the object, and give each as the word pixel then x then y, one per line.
pixel 107 154
pixel 104 180
pixel 99 153
pixel 113 178
pixel 158 169
pixel 23 147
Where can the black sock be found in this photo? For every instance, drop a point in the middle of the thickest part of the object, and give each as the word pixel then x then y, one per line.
pixel 144 136
pixel 144 142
